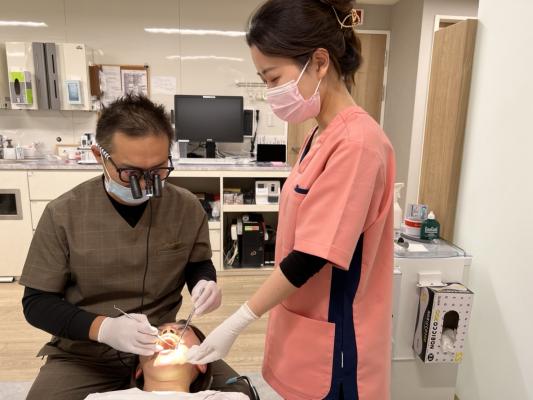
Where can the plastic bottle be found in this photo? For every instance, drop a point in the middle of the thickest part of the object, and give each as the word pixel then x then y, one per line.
pixel 430 228
pixel 9 151
pixel 398 213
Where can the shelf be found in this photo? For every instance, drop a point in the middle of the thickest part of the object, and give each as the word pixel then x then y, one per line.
pixel 250 208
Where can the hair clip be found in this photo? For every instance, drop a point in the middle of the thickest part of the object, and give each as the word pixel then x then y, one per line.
pixel 356 20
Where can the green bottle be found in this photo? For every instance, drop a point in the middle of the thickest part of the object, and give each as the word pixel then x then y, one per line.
pixel 430 228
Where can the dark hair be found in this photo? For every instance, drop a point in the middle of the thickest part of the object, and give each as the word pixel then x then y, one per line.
pixel 135 116
pixel 296 28
pixel 203 380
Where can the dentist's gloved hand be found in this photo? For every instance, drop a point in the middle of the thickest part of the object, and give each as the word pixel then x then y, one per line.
pixel 206 296
pixel 130 335
pixel 218 343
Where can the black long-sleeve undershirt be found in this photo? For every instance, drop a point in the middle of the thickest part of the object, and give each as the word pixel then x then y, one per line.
pixel 299 267
pixel 51 313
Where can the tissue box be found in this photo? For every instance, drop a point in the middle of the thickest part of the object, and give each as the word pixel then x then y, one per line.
pixel 443 312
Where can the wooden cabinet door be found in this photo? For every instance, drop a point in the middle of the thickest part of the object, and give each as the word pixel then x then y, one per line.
pixel 368 91
pixel 449 88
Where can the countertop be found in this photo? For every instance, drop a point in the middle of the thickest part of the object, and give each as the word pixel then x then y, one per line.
pixel 73 165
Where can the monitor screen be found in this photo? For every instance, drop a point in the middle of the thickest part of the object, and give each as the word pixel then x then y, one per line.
pixel 199 118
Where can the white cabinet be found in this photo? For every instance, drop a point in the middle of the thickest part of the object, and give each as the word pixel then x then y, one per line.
pixel 411 378
pixel 215 181
pixel 73 64
pixel 37 209
pixel 214 238
pixel 38 187
pixel 48 185
pixel 15 222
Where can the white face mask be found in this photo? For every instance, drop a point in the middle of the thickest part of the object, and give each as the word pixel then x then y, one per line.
pixel 122 192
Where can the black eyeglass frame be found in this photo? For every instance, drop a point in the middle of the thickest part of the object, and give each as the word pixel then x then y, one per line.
pixel 142 173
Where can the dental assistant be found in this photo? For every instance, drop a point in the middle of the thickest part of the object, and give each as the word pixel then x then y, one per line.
pixel 102 245
pixel 329 330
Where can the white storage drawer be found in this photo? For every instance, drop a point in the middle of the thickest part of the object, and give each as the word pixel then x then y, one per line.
pixel 214 238
pixel 37 209
pixel 49 185
pixel 217 261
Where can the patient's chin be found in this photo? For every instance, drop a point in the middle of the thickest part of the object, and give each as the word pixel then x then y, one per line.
pixel 171 357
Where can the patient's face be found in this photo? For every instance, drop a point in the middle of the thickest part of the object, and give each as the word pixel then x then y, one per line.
pixel 171 362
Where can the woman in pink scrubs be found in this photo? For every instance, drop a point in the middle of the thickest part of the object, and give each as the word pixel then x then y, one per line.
pixel 329 331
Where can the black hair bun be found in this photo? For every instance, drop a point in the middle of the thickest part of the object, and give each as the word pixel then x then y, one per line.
pixel 344 6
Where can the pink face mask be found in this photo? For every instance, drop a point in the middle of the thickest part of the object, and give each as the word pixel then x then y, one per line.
pixel 288 103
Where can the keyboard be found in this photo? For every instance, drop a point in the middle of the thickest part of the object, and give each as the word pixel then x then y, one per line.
pixel 214 161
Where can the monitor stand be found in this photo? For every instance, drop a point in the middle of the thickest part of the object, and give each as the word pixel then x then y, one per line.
pixel 210 149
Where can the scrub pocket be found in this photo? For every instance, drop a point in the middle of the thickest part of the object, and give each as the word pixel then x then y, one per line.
pixel 299 353
pixel 171 247
pixel 292 203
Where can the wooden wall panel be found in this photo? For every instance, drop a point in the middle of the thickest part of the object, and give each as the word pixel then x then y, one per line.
pixel 449 88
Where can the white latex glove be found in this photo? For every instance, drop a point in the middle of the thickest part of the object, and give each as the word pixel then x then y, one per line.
pixel 218 343
pixel 131 335
pixel 206 296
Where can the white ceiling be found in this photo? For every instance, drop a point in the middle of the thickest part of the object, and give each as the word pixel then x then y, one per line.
pixel 378 2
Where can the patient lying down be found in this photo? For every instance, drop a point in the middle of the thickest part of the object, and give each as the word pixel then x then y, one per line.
pixel 167 375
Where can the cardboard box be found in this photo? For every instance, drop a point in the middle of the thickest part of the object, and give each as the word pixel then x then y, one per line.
pixel 443 317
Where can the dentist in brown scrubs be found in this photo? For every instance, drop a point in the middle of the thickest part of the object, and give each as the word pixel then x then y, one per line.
pixel 102 245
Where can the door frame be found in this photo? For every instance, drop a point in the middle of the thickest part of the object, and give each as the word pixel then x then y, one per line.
pixel 447 18
pixel 385 67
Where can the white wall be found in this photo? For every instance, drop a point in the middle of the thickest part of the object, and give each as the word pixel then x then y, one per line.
pixel 431 9
pixel 494 218
pixel 115 30
pixel 406 20
pixel 376 17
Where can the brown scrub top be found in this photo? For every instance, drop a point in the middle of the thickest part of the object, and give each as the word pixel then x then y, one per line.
pixel 84 249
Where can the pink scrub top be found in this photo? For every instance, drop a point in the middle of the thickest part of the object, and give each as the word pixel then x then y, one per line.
pixel 332 337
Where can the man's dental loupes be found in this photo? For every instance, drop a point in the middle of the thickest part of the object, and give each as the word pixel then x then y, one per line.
pixel 129 316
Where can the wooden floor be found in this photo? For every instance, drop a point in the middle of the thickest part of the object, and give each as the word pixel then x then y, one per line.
pixel 20 342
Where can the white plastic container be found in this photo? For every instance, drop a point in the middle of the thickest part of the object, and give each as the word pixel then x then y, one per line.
pixel 398 213
pixel 412 227
pixel 10 153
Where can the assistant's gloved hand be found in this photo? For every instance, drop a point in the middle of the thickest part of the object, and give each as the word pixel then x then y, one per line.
pixel 218 343
pixel 131 335
pixel 206 296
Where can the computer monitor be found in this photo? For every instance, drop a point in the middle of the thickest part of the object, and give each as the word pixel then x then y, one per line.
pixel 209 118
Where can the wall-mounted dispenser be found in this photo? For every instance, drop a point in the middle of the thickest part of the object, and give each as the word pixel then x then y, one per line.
pixel 20 72
pixel 442 323
pixel 5 98
pixel 73 64
pixel 48 76
pixel 20 87
pixel 46 80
